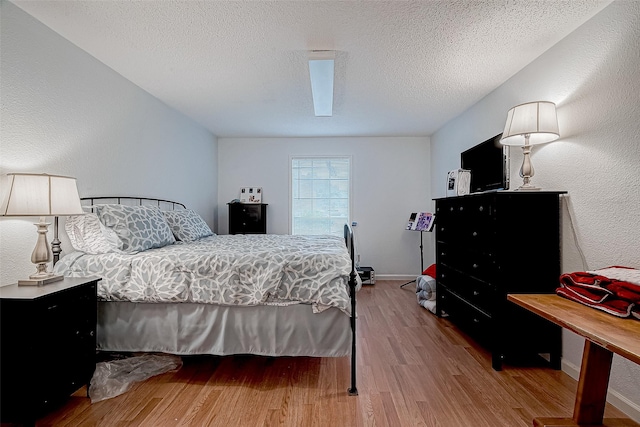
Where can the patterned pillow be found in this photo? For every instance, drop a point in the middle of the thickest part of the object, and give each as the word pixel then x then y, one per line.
pixel 187 225
pixel 87 234
pixel 139 227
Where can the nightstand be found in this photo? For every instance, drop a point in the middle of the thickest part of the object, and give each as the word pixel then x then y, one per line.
pixel 47 345
pixel 247 218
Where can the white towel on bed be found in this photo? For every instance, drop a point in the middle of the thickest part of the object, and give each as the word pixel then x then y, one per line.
pixel 426 292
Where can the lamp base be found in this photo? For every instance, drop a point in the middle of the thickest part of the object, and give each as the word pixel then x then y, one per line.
pixel 528 188
pixel 40 281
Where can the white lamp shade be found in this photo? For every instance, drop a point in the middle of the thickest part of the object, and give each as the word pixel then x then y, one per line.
pixel 41 195
pixel 536 119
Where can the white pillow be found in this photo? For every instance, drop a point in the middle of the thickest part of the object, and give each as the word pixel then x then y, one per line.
pixel 87 234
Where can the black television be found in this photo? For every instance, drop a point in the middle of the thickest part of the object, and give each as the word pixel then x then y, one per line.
pixel 489 165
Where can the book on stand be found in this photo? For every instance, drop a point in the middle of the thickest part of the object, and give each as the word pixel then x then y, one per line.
pixel 421 221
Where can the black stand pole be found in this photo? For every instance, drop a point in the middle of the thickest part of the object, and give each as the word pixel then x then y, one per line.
pixel 421 261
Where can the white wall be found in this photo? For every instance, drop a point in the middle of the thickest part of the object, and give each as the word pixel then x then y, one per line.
pixel 390 180
pixel 592 76
pixel 64 112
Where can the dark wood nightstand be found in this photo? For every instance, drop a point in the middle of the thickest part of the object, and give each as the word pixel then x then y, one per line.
pixel 247 218
pixel 47 345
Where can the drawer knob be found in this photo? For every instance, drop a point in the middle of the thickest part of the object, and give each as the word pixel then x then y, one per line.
pixel 475 265
pixel 476 293
pixel 461 208
pixel 481 208
pixel 474 234
pixel 476 320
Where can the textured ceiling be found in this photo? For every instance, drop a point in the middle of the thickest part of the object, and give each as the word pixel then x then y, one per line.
pixel 403 68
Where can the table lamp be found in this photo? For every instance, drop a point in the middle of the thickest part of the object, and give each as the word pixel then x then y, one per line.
pixel 527 125
pixel 41 195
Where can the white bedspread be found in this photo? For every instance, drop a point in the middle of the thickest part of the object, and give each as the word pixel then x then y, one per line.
pixel 263 269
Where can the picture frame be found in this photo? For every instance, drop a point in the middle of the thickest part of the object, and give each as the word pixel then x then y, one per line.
pixel 251 195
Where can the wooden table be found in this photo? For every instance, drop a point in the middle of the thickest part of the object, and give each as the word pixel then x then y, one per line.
pixel 605 334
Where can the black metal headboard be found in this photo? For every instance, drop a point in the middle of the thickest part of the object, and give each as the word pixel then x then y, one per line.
pixel 140 201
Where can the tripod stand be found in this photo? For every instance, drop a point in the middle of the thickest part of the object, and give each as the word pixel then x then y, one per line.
pixel 421 260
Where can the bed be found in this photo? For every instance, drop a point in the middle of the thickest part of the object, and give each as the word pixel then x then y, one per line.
pixel 171 285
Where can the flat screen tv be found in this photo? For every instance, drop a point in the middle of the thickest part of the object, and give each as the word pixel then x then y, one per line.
pixel 489 165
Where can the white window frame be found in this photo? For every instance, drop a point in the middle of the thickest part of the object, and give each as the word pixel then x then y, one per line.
pixel 320 156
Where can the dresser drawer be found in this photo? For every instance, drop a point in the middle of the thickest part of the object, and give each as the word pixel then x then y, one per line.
pixel 69 317
pixel 457 208
pixel 476 292
pixel 481 265
pixel 469 318
pixel 466 221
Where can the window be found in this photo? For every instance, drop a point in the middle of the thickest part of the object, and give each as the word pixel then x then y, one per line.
pixel 320 194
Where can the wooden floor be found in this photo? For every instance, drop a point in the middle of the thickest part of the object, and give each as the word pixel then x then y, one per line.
pixel 414 370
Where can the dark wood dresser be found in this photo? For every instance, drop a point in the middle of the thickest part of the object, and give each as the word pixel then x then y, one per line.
pixel 247 218
pixel 47 345
pixel 487 246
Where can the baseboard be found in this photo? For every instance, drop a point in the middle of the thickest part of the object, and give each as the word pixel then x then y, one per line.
pixel 396 276
pixel 631 409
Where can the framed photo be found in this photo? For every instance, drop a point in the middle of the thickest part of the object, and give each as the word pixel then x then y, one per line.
pixel 251 195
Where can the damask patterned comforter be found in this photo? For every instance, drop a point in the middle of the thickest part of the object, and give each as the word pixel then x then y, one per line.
pixel 265 269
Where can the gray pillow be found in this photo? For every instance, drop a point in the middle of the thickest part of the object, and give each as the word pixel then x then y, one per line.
pixel 139 227
pixel 187 225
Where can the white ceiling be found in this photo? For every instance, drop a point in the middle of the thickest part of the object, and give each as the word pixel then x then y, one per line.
pixel 403 68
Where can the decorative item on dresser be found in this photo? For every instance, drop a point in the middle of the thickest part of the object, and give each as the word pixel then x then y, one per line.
pixel 528 125
pixel 48 345
pixel 487 246
pixel 247 218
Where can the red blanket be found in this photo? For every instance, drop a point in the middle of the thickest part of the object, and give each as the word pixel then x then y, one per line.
pixel 615 290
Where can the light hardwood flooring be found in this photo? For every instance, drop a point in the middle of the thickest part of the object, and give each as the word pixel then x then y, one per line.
pixel 414 369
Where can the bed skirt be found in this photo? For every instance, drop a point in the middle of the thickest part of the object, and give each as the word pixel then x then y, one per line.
pixel 189 328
